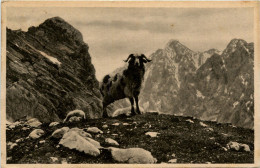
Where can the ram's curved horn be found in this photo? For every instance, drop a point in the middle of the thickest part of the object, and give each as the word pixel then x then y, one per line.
pixel 131 55
pixel 148 60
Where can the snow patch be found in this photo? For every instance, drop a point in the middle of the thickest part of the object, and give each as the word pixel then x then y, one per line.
pixel 52 59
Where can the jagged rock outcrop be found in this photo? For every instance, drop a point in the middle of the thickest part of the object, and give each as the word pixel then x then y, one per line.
pixel 49 72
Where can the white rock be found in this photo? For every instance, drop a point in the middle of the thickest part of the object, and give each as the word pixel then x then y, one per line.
pixel 173 155
pixel 105 126
pixel 94 130
pixel 152 134
pixel 209 129
pixel 116 124
pixel 125 124
pixel 173 161
pixel 19 140
pixel 8 122
pixel 54 159
pixel 81 132
pixel 234 145
pixel 25 128
pixel 75 113
pixel 126 111
pixel 12 145
pixel 60 132
pixel 42 141
pixel 74 119
pixel 53 124
pixel 64 161
pixel 13 125
pixel 244 147
pixel 132 155
pixel 34 122
pixel 203 125
pixel 212 138
pixel 111 142
pixel 9 158
pixel 225 135
pixel 225 149
pixel 73 140
pixel 190 121
pixel 114 134
pixel 37 133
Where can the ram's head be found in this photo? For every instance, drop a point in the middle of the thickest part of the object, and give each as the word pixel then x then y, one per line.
pixel 137 60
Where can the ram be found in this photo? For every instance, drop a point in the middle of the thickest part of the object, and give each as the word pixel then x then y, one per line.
pixel 126 84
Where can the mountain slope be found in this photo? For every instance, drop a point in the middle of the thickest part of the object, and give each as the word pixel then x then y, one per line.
pixel 49 72
pixel 180 138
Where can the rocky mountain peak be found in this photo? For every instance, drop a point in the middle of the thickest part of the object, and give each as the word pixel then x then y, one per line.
pixel 57 29
pixel 212 51
pixel 235 44
pixel 49 72
pixel 177 46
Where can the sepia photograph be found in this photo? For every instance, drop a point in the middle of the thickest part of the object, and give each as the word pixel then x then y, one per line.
pixel 112 83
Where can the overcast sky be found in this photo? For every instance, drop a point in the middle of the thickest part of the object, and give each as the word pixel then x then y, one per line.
pixel 113 33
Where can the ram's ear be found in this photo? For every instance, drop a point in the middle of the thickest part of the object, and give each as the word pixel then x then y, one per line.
pixel 130 56
pixel 145 59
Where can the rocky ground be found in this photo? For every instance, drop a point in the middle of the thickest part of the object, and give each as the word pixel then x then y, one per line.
pixel 164 138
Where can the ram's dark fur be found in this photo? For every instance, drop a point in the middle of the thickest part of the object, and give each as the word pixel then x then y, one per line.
pixel 126 84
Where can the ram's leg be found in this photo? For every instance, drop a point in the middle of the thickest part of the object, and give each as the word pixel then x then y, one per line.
pixel 132 106
pixel 105 115
pixel 137 105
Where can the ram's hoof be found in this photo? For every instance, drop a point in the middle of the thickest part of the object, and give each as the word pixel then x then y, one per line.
pixel 105 115
pixel 133 114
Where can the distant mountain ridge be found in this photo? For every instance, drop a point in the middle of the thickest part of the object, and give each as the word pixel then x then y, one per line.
pixel 207 85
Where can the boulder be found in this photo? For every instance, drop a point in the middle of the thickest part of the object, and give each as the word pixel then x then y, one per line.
pixel 116 124
pixel 244 147
pixel 209 129
pixel 75 119
pixel 77 115
pixel 60 132
pixel 94 130
pixel 73 140
pixel 172 161
pixel 11 145
pixel 110 141
pixel 35 134
pixel 132 155
pixel 203 125
pixel 152 134
pixel 34 122
pixel 81 132
pixel 233 146
pixel 105 126
pixel 54 159
pixel 53 124
pixel 190 121
pixel 42 141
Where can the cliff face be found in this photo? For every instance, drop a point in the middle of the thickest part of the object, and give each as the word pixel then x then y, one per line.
pixel 49 72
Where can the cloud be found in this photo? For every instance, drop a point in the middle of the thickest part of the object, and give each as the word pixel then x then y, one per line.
pixel 113 33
